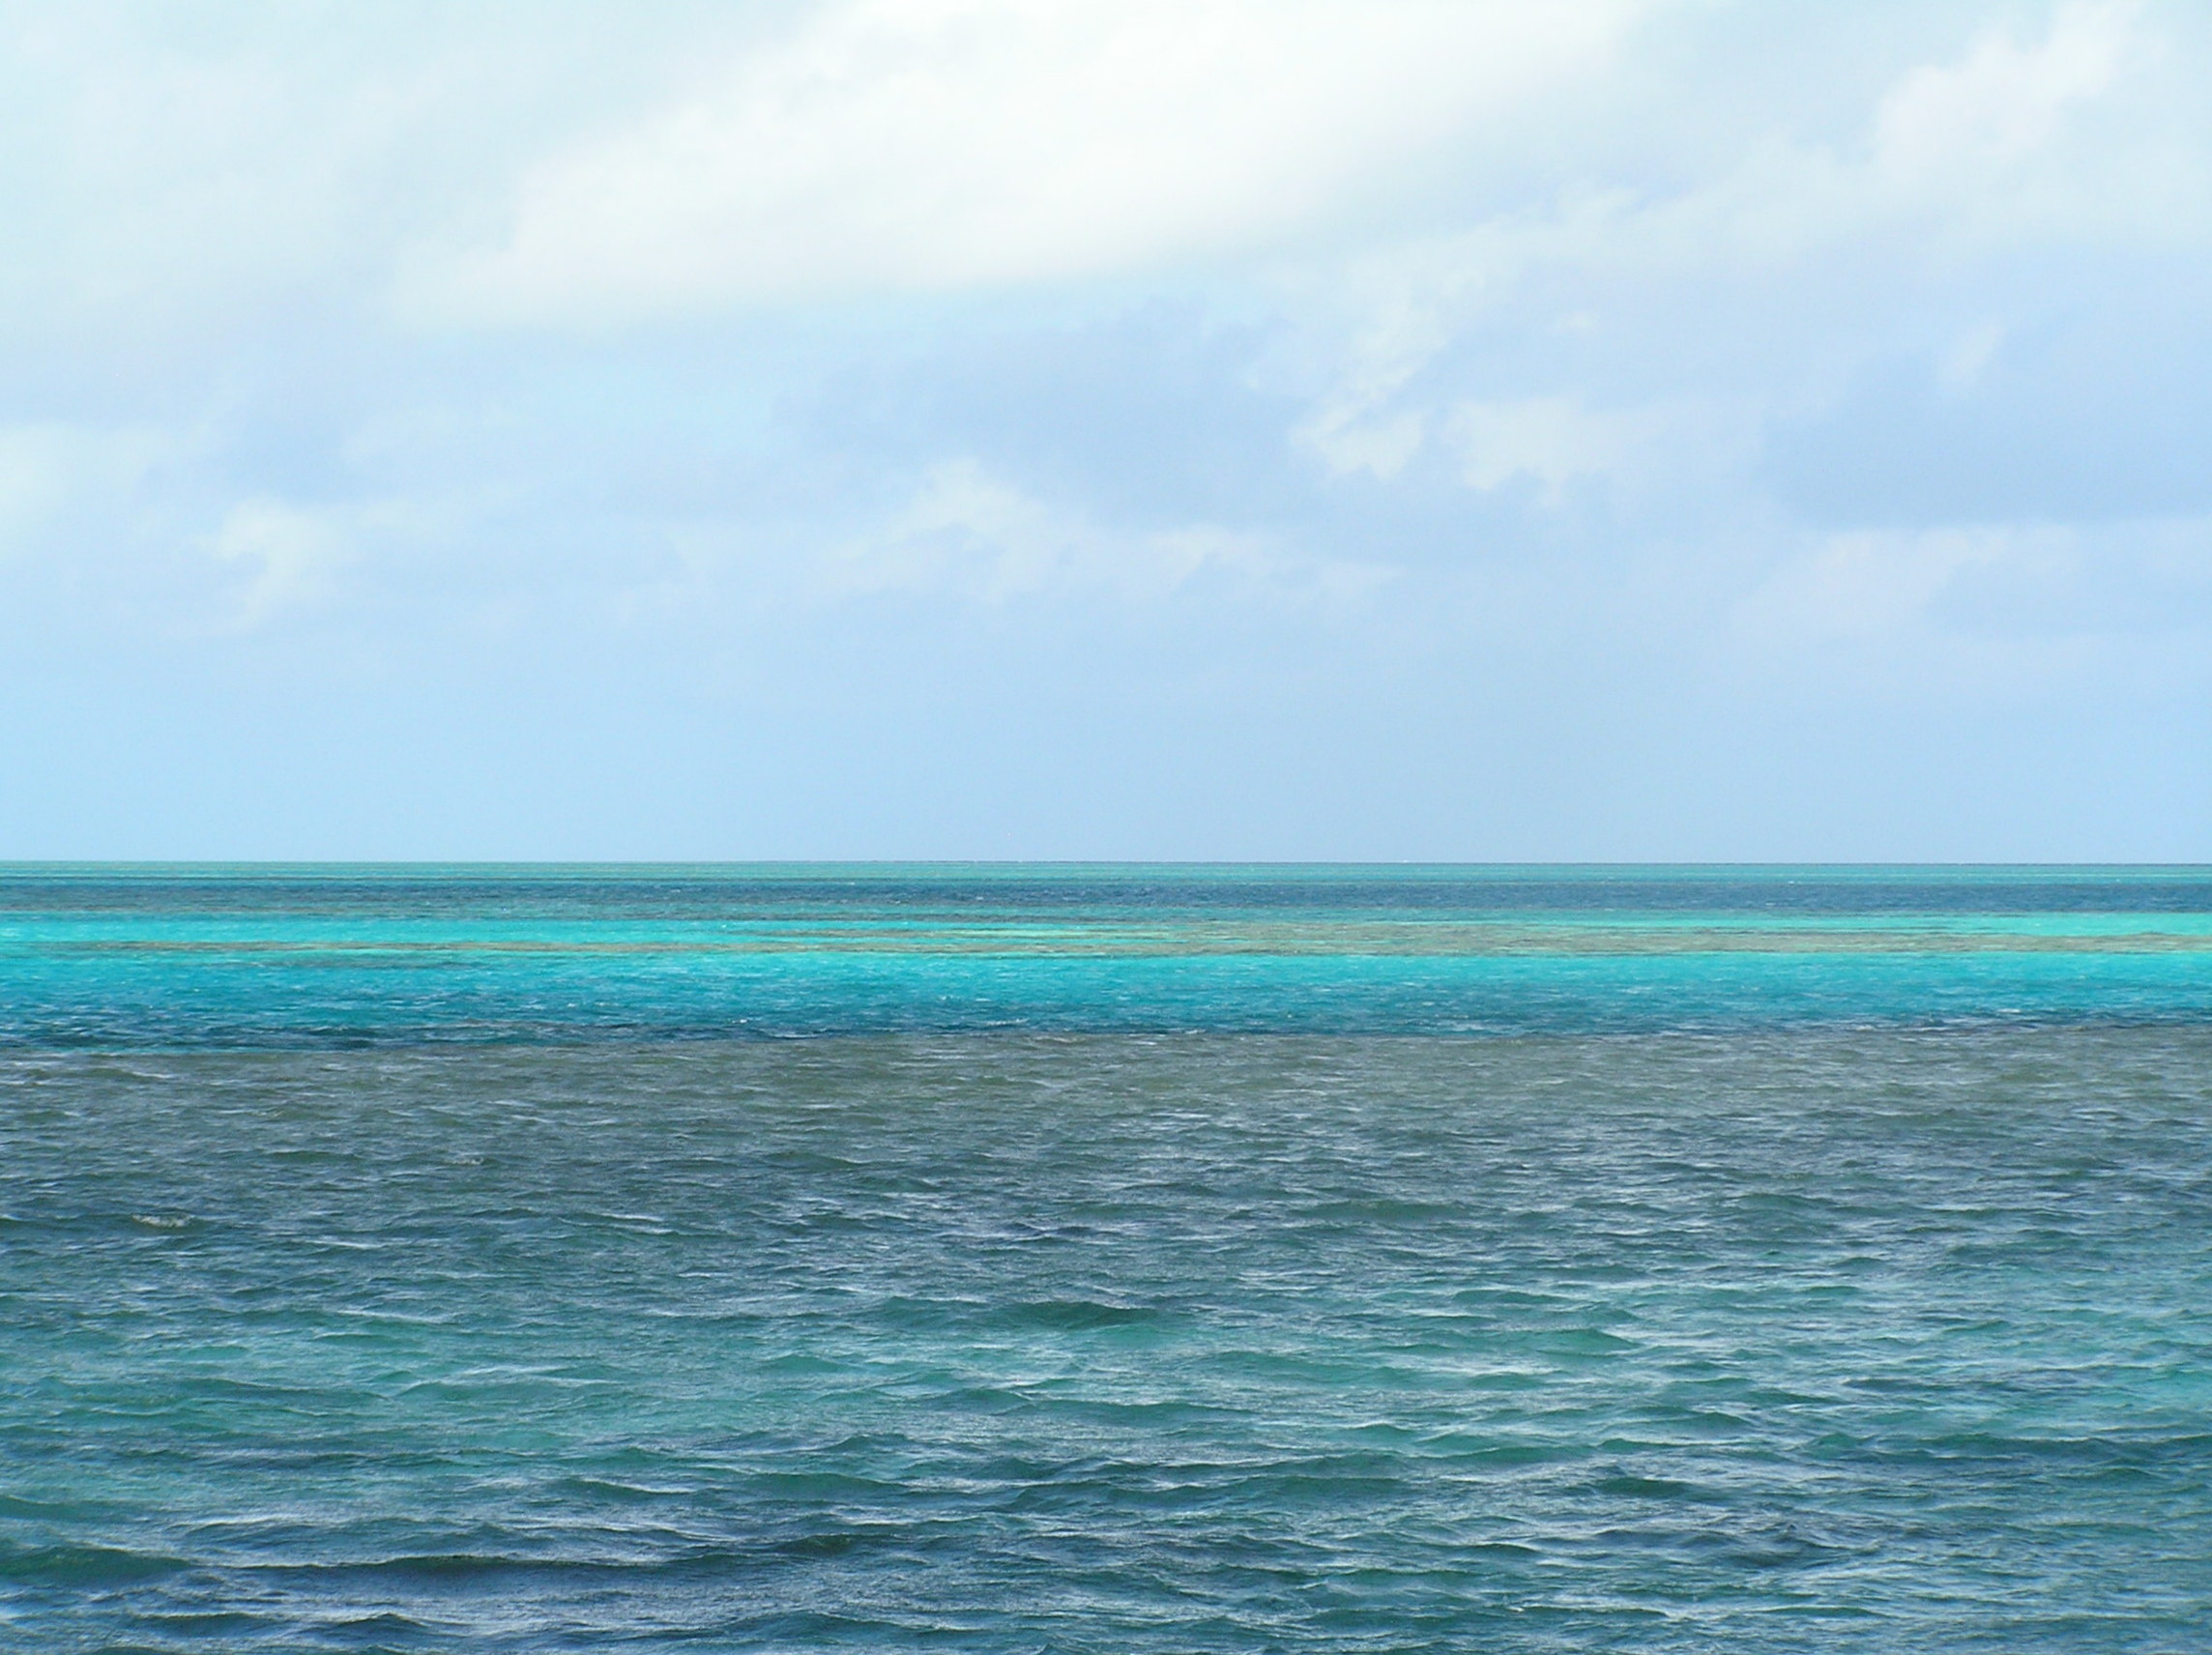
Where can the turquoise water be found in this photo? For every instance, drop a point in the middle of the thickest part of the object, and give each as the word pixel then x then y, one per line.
pixel 1117 1260
pixel 336 956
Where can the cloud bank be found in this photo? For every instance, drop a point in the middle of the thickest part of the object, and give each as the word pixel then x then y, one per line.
pixel 932 145
pixel 1640 427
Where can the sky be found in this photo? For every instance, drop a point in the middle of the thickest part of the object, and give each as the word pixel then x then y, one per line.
pixel 1333 429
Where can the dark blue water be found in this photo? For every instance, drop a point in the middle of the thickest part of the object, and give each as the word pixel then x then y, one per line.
pixel 1105 1259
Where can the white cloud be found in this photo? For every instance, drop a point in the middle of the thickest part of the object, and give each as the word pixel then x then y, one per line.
pixel 47 469
pixel 291 555
pixel 1873 584
pixel 1551 439
pixel 182 169
pixel 970 534
pixel 2005 100
pixel 1347 439
pixel 903 145
pixel 33 478
pixel 596 167
pixel 1995 148
pixel 2069 134
pixel 1961 365
pixel 1354 427
pixel 2130 579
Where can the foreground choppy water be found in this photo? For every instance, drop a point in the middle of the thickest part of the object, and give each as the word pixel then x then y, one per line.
pixel 1885 1339
pixel 1105 1259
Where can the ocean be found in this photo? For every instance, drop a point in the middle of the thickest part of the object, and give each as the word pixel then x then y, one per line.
pixel 1105 1259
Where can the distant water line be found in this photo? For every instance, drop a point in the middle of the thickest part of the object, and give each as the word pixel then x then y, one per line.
pixel 100 956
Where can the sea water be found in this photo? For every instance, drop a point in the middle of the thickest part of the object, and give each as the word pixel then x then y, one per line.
pixel 1105 1259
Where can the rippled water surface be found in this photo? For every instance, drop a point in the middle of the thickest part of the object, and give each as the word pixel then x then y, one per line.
pixel 1105 1259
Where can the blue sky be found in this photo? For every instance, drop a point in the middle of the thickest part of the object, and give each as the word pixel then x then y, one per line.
pixel 1218 428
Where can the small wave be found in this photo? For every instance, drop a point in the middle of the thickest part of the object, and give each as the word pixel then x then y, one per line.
pixel 79 1566
pixel 1077 1314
